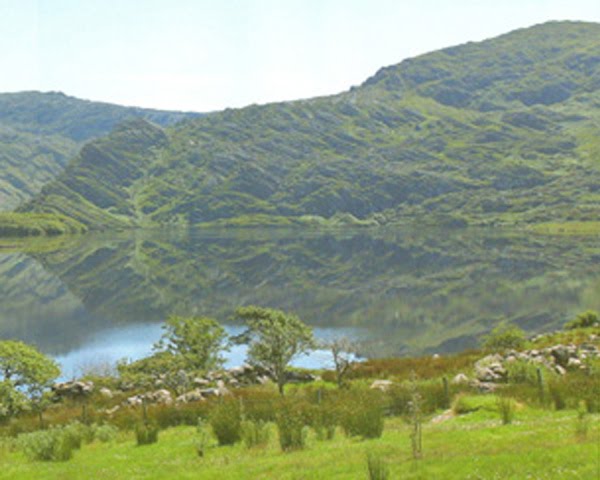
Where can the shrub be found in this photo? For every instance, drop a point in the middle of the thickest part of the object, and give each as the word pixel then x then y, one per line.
pixel 203 441
pixel 504 337
pixel 471 403
pixel 506 408
pixel 363 416
pixel 105 433
pixel 146 433
pixel 583 320
pixel 47 445
pixel 225 419
pixel 377 469
pixel 255 433
pixel 582 424
pixel 290 422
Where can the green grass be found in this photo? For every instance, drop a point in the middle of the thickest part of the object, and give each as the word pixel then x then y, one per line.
pixel 37 224
pixel 567 228
pixel 539 445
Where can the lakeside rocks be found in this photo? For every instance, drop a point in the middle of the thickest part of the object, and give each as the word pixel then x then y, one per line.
pixel 493 369
pixel 73 389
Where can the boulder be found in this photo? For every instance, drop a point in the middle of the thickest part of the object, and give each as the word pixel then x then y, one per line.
pixel 460 379
pixel 190 397
pixel 73 389
pixel 383 385
pixel 106 392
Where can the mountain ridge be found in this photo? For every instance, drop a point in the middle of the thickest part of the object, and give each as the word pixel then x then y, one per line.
pixel 41 131
pixel 469 134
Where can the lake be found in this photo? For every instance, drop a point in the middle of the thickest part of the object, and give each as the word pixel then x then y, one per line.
pixel 91 300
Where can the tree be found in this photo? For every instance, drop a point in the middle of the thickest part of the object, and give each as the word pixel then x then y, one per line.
pixel 274 339
pixel 25 372
pixel 196 341
pixel 343 352
pixel 504 337
pixel 583 320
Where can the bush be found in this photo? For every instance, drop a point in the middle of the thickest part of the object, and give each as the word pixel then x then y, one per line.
pixel 504 337
pixel 203 441
pixel 290 422
pixel 105 433
pixel 146 433
pixel 583 320
pixel 471 403
pixel 363 415
pixel 255 433
pixel 47 445
pixel 225 419
pixel 376 467
pixel 506 408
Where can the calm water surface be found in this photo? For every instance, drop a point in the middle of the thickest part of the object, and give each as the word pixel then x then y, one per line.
pixel 92 300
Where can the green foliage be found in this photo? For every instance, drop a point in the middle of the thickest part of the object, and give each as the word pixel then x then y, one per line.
pixel 105 433
pixel 255 433
pixel 197 341
pixel 145 371
pixel 274 339
pixel 504 337
pixel 583 320
pixel 377 469
pixel 24 370
pixel 465 403
pixel 291 427
pixel 146 433
pixel 54 444
pixel 506 409
pixel 363 416
pixel 225 418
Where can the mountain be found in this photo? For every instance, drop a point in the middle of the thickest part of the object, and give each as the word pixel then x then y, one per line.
pixel 503 131
pixel 41 132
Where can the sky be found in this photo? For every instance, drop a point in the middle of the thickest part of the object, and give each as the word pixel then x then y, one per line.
pixel 206 55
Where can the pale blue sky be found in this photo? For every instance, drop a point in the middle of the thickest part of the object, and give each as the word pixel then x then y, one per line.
pixel 208 54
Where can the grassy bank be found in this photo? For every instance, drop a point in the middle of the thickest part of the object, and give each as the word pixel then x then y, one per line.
pixel 567 228
pixel 538 444
pixel 37 224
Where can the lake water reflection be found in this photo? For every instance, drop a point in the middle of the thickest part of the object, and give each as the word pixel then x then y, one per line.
pixel 93 299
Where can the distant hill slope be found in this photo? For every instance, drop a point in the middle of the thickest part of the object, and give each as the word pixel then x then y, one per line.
pixel 40 132
pixel 497 132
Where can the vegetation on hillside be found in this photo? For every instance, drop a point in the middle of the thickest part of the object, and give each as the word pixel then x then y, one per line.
pixel 466 135
pixel 37 224
pixel 41 132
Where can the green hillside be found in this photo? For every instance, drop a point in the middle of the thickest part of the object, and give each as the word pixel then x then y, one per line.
pixel 497 132
pixel 40 132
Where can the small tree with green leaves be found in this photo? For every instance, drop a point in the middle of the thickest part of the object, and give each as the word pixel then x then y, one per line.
pixel 274 339
pixel 504 337
pixel 197 341
pixel 25 371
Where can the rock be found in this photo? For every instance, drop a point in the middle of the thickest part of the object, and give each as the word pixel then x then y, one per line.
pixel 574 363
pixel 134 401
pixel 435 356
pixel 113 410
pixel 190 397
pixel 209 392
pixel 294 376
pixel 560 370
pixel 222 389
pixel 200 382
pixel 383 385
pixel 561 354
pixel 73 389
pixel 460 379
pixel 106 392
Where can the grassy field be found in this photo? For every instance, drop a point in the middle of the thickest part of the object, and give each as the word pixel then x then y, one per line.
pixel 538 445
pixel 567 228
